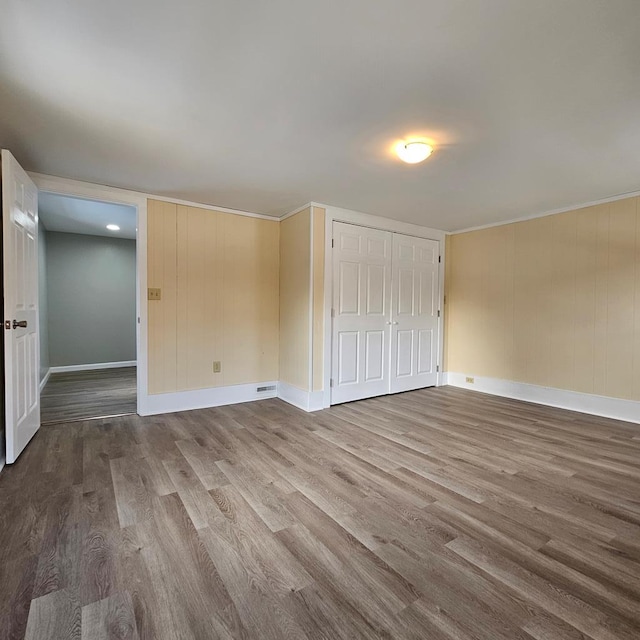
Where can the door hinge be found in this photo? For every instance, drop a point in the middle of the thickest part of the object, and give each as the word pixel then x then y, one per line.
pixel 332 241
pixel 333 313
pixel 331 382
pixel 439 258
pixel 438 313
pixel 437 367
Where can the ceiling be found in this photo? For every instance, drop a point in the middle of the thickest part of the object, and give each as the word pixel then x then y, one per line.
pixel 88 217
pixel 532 106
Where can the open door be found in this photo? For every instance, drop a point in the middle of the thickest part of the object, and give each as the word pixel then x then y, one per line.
pixel 21 338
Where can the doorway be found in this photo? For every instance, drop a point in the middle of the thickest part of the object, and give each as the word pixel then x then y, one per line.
pixel 87 308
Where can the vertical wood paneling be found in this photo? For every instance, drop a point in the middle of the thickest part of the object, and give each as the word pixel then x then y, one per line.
pixel 199 308
pixel 601 315
pixel 465 299
pixel 161 266
pixel 620 298
pixel 318 297
pixel 553 301
pixel 250 300
pixel 562 299
pixel 510 302
pixel 220 301
pixel 585 302
pixel 636 329
pixel 448 266
pixel 295 265
pixel 495 293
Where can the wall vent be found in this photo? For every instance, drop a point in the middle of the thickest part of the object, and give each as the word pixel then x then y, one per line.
pixel 269 388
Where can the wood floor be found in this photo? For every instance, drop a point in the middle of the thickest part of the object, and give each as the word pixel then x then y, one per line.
pixel 431 515
pixel 88 394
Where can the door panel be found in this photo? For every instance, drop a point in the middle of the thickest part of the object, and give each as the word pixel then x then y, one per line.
pixel 21 344
pixel 374 355
pixel 348 357
pixel 349 288
pixel 425 351
pixel 404 354
pixel 414 312
pixel 406 293
pixel 361 307
pixel 376 289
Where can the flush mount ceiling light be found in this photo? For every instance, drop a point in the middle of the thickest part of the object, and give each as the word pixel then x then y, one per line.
pixel 113 227
pixel 413 152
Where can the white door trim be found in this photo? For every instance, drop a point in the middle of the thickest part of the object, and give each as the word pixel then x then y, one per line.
pixel 337 214
pixel 63 186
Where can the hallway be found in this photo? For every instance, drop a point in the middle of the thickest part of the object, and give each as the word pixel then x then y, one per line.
pixel 88 394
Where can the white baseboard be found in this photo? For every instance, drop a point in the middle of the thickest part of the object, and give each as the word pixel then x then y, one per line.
pixel 44 380
pixel 205 398
pixel 605 406
pixel 93 367
pixel 305 400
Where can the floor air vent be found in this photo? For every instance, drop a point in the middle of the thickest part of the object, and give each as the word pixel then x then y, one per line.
pixel 269 388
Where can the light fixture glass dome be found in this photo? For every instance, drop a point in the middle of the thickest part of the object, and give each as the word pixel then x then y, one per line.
pixel 113 227
pixel 414 152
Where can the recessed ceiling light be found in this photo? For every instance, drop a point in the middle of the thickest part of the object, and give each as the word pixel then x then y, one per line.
pixel 414 152
pixel 113 227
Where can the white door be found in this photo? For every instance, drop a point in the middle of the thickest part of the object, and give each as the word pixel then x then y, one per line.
pixel 415 301
pixel 361 309
pixel 21 340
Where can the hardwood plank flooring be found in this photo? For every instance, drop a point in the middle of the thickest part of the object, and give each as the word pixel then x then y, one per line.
pixel 78 395
pixel 439 514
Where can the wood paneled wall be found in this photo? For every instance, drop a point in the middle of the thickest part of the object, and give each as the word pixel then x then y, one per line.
pixel 553 301
pixel 318 257
pixel 295 274
pixel 220 298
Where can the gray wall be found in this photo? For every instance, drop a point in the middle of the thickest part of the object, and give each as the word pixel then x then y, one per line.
pixel 42 301
pixel 91 299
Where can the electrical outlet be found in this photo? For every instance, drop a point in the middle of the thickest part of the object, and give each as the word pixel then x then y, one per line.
pixel 154 294
pixel 470 380
pixel 217 366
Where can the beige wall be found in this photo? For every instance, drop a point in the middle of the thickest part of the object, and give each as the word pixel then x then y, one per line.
pixel 447 315
pixel 318 297
pixel 295 274
pixel 220 301
pixel 553 301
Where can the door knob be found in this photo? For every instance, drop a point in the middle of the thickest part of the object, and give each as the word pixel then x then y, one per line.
pixel 20 323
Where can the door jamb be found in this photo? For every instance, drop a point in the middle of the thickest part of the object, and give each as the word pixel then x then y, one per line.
pixel 88 191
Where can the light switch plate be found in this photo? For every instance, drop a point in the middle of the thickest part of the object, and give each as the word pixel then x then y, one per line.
pixel 217 366
pixel 155 294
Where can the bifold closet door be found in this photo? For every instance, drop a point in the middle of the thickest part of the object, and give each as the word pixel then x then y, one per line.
pixel 361 309
pixel 414 313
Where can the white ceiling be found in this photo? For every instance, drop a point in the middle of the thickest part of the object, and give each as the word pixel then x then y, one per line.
pixel 88 217
pixel 533 105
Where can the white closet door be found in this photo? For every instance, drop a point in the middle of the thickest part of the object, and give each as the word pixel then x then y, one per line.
pixel 414 337
pixel 361 309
